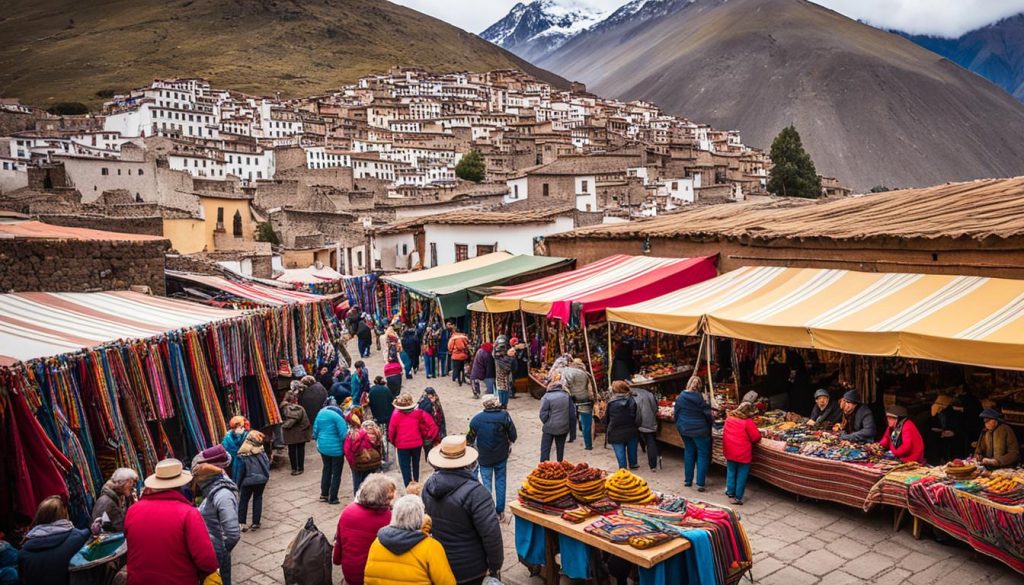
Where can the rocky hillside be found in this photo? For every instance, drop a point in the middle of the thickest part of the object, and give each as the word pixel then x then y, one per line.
pixel 872 107
pixel 70 50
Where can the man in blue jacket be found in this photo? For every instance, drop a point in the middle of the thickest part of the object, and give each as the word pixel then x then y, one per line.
pixel 492 432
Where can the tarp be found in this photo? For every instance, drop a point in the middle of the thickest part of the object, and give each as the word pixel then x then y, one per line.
pixel 310 275
pixel 611 282
pixel 451 284
pixel 250 291
pixel 40 325
pixel 959 319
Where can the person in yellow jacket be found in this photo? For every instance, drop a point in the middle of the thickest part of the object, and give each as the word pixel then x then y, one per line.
pixel 404 553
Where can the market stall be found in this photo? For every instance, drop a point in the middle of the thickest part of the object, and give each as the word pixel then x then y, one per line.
pixel 320 280
pixel 564 313
pixel 446 290
pixel 94 381
pixel 581 511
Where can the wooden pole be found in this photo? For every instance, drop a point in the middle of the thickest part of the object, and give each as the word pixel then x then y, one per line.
pixel 608 374
pixel 711 383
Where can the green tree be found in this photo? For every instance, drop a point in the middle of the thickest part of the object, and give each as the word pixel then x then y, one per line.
pixel 68 109
pixel 471 167
pixel 793 173
pixel 265 233
pixel 880 189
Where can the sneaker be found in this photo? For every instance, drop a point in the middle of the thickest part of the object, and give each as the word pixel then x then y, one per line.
pixel 244 528
pixel 334 502
pixel 254 527
pixel 687 485
pixel 295 472
pixel 634 467
pixel 323 498
pixel 728 494
pixel 735 502
pixel 700 488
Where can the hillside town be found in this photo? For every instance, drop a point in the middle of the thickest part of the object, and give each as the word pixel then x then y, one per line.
pixel 341 178
pixel 263 340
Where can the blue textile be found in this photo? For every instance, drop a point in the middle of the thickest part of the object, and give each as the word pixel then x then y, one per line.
pixel 575 557
pixel 529 541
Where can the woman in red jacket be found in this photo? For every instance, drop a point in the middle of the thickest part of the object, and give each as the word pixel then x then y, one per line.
pixel 738 438
pixel 359 523
pixel 902 436
pixel 408 429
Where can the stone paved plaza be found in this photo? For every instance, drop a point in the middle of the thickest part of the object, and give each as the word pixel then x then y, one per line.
pixel 794 543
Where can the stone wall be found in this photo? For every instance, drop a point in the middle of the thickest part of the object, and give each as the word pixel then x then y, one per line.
pixel 81 266
pixel 150 226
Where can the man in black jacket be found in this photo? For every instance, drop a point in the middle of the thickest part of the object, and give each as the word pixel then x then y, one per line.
pixel 465 520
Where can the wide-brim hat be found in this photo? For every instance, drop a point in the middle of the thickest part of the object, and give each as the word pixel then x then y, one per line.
pixel 168 475
pixel 991 413
pixel 896 411
pixel 452 453
pixel 404 402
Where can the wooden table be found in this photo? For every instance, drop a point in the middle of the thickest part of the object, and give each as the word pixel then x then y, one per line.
pixel 647 558
pixel 668 434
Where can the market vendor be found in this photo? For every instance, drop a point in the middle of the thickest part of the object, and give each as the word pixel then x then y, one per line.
pixel 997 445
pixel 857 424
pixel 825 411
pixel 902 437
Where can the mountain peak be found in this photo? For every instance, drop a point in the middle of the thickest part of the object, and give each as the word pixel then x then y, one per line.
pixel 534 29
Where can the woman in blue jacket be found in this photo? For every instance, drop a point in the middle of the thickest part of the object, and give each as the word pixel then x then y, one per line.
pixel 329 432
pixel 693 421
pixel 50 544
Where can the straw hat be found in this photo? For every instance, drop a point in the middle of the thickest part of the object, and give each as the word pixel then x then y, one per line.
pixel 452 453
pixel 169 474
pixel 404 402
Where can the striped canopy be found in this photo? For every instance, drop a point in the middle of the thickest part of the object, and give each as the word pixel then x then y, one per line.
pixel 614 281
pixel 257 293
pixel 41 325
pixel 450 284
pixel 959 319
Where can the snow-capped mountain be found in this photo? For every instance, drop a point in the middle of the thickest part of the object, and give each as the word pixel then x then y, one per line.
pixel 535 29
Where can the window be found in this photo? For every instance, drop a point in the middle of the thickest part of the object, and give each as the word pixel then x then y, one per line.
pixel 433 254
pixel 359 258
pixel 584 186
pixel 118 172
pixel 405 249
pixel 545 189
pixel 104 171
pixel 482 249
pixel 236 224
pixel 220 218
pixel 515 191
pixel 675 185
pixel 461 252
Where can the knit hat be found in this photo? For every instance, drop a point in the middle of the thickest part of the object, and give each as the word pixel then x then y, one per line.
pixel 238 420
pixel 217 456
pixel 852 396
pixel 822 392
pixel 404 402
pixel 299 372
pixel 490 401
pixel 991 413
pixel 896 411
pixel 751 397
pixel 430 390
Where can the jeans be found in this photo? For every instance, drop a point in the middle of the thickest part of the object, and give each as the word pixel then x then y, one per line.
pixel 330 478
pixel 364 347
pixel 444 363
pixel 409 464
pixel 407 364
pixel 297 456
pixel 357 479
pixel 224 562
pixel 256 493
pixel 736 478
pixel 503 398
pixel 696 451
pixel 489 382
pixel 459 371
pixel 587 424
pixel 545 446
pixel 429 362
pixel 651 442
pixel 497 471
pixel 622 450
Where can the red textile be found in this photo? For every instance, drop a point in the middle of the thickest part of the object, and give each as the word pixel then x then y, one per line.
pixel 167 541
pixel 408 429
pixel 392 368
pixel 35 462
pixel 911 449
pixel 738 438
pixel 357 529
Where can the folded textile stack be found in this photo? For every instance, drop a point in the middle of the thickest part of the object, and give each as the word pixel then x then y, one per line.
pixel 620 529
pixel 587 483
pixel 626 488
pixel 957 469
pixel 546 486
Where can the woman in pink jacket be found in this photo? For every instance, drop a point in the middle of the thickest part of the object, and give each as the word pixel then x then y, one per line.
pixel 408 429
pixel 738 438
pixel 359 523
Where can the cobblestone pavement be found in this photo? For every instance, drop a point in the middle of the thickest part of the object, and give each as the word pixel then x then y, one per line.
pixel 794 543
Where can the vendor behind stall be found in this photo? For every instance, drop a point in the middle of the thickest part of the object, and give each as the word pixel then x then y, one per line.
pixel 857 424
pixel 902 437
pixel 997 445
pixel 825 413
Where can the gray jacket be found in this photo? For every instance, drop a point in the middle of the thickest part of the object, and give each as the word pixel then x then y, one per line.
pixel 863 430
pixel 577 384
pixel 220 512
pixel 113 505
pixel 647 410
pixel 557 411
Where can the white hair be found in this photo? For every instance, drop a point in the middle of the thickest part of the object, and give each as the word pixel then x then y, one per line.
pixel 124 474
pixel 407 513
pixel 375 491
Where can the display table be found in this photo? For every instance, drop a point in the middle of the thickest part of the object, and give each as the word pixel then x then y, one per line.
pixel 668 434
pixel 990 528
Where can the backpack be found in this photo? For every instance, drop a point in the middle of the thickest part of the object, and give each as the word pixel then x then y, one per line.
pixel 367 458
pixel 307 560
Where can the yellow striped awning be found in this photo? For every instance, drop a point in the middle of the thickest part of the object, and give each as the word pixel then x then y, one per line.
pixel 960 319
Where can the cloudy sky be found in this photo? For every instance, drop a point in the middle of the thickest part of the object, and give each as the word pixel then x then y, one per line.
pixel 934 17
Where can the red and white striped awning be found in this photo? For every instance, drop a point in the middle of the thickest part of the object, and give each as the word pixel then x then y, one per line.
pixel 611 282
pixel 251 291
pixel 40 325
